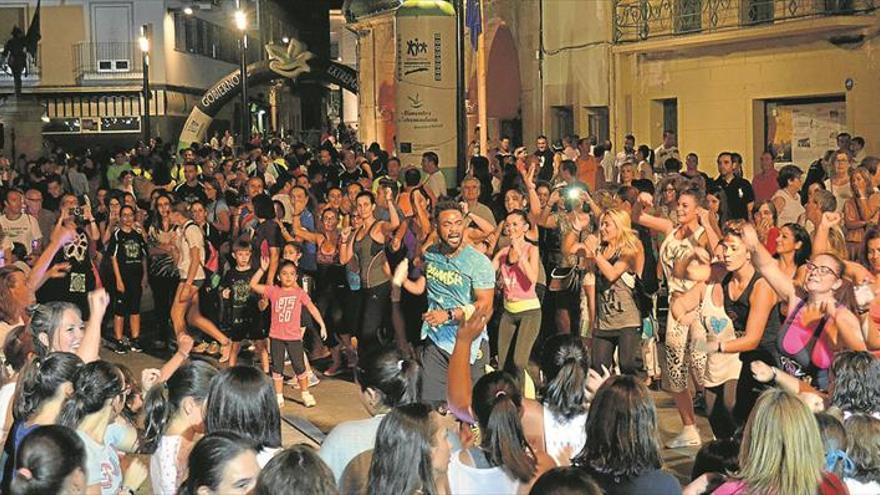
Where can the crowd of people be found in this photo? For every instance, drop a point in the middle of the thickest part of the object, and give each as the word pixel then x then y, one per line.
pixel 505 329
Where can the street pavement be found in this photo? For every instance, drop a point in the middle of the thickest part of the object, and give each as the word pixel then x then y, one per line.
pixel 339 400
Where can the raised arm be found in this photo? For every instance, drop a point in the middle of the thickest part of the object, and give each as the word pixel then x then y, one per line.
pixel 657 224
pixel 766 264
pixel 458 383
pixel 91 342
pixel 60 236
pixel 346 246
pixel 255 284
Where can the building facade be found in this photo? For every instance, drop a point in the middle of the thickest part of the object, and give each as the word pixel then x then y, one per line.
pixel 89 68
pixel 747 75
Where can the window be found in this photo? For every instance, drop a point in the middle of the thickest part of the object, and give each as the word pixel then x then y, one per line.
pixel 670 115
pixel 562 123
pixel 757 12
pixel 688 16
pixel 597 122
pixel 200 37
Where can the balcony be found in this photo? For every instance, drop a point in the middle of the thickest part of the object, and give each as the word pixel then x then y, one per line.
pixel 107 62
pixel 669 24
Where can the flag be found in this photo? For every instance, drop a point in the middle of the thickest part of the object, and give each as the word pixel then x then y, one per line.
pixel 33 33
pixel 474 21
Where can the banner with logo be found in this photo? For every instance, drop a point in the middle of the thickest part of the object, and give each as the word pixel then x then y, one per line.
pixel 425 101
pixel 292 62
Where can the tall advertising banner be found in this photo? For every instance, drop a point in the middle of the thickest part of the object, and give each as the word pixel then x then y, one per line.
pixel 426 61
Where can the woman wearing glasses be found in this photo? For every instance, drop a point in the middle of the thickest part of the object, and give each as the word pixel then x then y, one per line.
pixel 817 324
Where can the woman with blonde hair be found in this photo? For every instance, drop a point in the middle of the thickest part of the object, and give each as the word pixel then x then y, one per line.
pixel 859 211
pixel 619 257
pixel 782 451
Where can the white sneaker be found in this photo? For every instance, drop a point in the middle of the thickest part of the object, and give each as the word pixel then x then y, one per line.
pixel 280 399
pixel 308 400
pixel 400 273
pixel 689 437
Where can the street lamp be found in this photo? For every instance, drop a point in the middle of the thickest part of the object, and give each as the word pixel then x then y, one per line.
pixel 144 43
pixel 241 23
pixel 188 10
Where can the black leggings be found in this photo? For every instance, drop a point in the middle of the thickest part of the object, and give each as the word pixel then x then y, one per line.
pixel 720 402
pixel 163 289
pixel 628 342
pixel 294 350
pixel 375 308
pixel 329 301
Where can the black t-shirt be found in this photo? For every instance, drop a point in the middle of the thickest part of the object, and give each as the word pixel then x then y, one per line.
pixel 347 177
pixel 188 193
pixel 129 249
pixel 266 235
pixel 241 307
pixel 78 282
pixel 739 194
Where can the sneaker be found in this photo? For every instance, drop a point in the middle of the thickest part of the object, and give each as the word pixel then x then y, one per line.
pixel 214 349
pixel 116 346
pixel 400 273
pixel 279 398
pixel 135 346
pixel 200 348
pixel 308 400
pixel 313 381
pixel 689 437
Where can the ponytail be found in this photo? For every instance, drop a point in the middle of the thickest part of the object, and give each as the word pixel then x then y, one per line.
pixel 39 381
pixel 157 413
pixel 163 401
pixel 95 384
pixel 496 403
pixel 505 441
pixel 567 391
pixel 395 378
pixel 565 365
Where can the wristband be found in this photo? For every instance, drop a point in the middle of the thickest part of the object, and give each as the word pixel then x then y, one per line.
pixel 126 490
pixel 773 369
pixel 450 315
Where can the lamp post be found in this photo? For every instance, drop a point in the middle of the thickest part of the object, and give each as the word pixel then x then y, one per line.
pixel 241 24
pixel 144 42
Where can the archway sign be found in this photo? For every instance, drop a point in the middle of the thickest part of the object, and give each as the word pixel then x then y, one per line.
pixel 293 62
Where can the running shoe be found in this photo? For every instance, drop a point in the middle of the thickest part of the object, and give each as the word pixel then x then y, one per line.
pixel 135 346
pixel 308 399
pixel 689 437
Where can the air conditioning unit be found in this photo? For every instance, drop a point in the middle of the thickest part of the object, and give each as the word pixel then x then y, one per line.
pixel 114 65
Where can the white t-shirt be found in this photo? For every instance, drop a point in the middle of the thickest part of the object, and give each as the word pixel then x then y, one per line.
pixel 436 183
pixel 163 465
pixel 856 487
pixel 346 441
pixel 102 461
pixel 25 229
pixel 6 393
pixel 192 237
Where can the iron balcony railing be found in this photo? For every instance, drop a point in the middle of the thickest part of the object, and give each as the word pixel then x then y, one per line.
pixel 639 20
pixel 107 61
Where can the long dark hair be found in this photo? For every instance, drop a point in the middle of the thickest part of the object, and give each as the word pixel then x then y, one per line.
pixel 40 380
pixel 621 431
pixel 402 455
pixel 565 364
pixel 95 383
pixel 395 378
pixel 241 399
pixel 803 253
pixel 46 457
pixel 16 349
pixel 210 457
pixel 298 469
pixel 163 401
pixel 497 402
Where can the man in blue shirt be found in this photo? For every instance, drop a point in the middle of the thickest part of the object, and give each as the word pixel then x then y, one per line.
pixel 459 280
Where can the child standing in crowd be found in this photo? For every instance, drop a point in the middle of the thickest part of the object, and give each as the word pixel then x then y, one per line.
pixel 129 258
pixel 285 331
pixel 240 308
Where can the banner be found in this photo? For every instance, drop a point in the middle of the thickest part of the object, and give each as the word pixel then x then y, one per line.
pixel 425 101
pixel 292 62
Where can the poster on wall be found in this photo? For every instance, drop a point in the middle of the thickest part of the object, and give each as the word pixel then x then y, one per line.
pixel 425 100
pixel 801 131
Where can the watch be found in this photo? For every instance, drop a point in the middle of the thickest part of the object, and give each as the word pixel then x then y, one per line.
pixel 450 315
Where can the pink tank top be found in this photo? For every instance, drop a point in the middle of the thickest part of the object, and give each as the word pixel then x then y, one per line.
pixel 796 339
pixel 515 283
